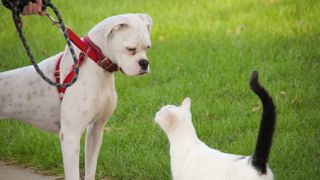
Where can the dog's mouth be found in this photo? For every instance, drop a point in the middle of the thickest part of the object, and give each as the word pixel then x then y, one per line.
pixel 122 71
pixel 141 72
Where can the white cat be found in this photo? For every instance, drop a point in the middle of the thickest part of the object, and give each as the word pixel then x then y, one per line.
pixel 191 159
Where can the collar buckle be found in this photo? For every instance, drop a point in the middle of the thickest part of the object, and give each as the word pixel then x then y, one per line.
pixel 106 63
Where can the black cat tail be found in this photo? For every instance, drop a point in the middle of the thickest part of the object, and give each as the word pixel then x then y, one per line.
pixel 267 126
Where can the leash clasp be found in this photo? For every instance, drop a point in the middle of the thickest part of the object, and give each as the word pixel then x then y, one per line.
pixel 54 21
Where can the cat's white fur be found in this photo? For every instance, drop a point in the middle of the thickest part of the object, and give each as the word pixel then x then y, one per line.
pixel 191 159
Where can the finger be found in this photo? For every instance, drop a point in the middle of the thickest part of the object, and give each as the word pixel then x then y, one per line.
pixel 34 9
pixel 24 11
pixel 29 8
pixel 39 5
pixel 42 13
pixel 39 2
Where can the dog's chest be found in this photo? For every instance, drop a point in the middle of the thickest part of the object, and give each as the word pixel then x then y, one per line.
pixel 95 90
pixel 105 99
pixel 105 104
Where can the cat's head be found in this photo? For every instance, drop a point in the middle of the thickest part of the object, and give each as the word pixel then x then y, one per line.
pixel 170 116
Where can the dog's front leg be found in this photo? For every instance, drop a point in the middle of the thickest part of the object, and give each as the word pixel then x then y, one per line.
pixel 93 143
pixel 72 126
pixel 70 144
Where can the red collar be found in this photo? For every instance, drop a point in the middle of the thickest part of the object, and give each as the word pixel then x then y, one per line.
pixel 93 51
pixel 88 49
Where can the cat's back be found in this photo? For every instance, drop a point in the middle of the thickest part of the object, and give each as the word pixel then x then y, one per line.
pixel 225 166
pixel 205 163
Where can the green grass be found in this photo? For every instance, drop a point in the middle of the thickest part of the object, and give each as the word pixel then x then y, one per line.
pixel 202 49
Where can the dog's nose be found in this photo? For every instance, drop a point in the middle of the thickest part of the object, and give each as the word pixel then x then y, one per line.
pixel 143 64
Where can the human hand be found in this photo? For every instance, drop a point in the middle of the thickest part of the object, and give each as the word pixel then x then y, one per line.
pixel 33 8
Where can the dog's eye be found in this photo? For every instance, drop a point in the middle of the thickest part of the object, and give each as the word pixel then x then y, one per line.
pixel 131 49
pixel 148 47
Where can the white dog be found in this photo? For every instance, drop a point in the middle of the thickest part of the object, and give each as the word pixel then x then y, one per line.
pixel 124 39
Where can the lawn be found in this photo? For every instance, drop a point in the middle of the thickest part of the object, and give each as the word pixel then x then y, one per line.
pixel 205 49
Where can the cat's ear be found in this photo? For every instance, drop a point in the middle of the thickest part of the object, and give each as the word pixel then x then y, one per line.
pixel 186 103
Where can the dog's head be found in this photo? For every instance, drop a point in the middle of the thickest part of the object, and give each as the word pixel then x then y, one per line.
pixel 125 40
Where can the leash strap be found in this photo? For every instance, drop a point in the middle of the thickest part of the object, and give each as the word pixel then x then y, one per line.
pixel 15 7
pixel 87 47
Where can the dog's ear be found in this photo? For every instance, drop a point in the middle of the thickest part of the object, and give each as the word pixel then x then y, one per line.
pixel 117 27
pixel 186 103
pixel 147 19
pixel 120 27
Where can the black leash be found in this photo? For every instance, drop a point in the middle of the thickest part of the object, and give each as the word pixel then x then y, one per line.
pixel 16 6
